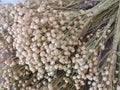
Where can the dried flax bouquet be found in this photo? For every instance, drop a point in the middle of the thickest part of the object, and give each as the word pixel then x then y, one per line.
pixel 60 45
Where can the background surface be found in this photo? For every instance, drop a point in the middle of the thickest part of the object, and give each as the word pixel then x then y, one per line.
pixel 10 1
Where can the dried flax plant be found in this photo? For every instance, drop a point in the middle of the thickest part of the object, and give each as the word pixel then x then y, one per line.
pixel 60 45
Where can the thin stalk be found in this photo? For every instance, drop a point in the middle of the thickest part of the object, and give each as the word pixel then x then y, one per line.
pixel 116 41
pixel 98 10
pixel 102 6
pixel 118 59
pixel 107 26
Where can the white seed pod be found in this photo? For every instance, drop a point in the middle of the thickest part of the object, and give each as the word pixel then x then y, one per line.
pixel 107 72
pixel 94 84
pixel 76 66
pixel 100 88
pixel 104 78
pixel 9 39
pixel 89 82
pixel 50 87
pixel 86 66
pixel 108 82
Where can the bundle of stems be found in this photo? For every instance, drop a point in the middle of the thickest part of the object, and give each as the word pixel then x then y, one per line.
pixel 55 45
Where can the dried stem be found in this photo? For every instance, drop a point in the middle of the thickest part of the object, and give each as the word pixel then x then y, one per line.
pixel 115 45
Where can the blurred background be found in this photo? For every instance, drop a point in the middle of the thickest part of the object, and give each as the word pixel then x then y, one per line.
pixel 10 1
